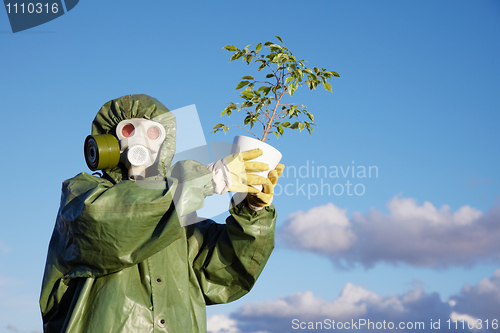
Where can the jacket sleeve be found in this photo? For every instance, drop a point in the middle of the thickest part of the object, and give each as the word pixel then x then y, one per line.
pixel 102 228
pixel 230 257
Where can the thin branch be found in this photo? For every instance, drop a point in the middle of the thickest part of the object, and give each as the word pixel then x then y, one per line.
pixel 264 82
pixel 253 114
pixel 267 64
pixel 245 130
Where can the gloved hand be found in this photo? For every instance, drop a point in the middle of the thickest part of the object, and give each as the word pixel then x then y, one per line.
pixel 259 200
pixel 230 174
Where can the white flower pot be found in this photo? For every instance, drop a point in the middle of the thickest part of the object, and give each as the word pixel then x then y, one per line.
pixel 270 156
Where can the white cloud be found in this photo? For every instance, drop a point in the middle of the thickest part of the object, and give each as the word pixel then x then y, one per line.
pixel 465 318
pixel 329 219
pixel 221 324
pixel 477 300
pixel 419 235
pixel 351 303
pixel 355 304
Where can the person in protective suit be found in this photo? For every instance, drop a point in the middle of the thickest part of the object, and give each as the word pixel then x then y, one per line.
pixel 126 257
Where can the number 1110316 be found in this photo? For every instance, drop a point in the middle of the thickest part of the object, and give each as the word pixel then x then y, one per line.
pixel 473 324
pixel 32 8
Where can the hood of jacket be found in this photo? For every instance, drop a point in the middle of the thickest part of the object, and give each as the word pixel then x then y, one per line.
pixel 137 106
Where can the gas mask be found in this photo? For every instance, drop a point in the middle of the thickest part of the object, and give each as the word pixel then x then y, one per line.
pixel 137 147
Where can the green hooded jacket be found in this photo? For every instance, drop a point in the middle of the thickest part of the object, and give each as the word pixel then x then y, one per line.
pixel 124 258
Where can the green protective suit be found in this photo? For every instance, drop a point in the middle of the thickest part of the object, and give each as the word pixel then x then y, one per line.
pixel 120 259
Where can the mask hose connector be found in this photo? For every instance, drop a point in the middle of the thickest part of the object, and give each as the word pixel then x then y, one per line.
pixel 136 172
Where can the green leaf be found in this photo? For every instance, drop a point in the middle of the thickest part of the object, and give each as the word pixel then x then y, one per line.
pixel 231 48
pixel 280 129
pixel 269 76
pixel 242 84
pixel 247 94
pixel 225 128
pixel 277 59
pixel 258 47
pixel 265 89
pixel 277 135
pixel 259 106
pixel 316 70
pixel 301 126
pixel 261 66
pixel 310 115
pixel 335 74
pixel 235 56
pixel 286 124
pixel 288 79
pixel 249 59
pixel 247 120
pixel 268 43
pixel 218 126
pixel 327 86
pixel 279 38
pixel 247 77
pixel 291 89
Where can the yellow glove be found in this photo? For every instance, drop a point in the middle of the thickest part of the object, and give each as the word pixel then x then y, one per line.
pixel 262 199
pixel 239 169
pixel 230 174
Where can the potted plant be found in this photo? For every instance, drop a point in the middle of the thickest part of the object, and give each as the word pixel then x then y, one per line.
pixel 264 99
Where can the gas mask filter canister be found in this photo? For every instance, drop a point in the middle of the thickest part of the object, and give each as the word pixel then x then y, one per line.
pixel 101 152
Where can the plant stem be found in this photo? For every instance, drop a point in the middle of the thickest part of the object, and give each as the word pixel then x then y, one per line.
pixel 284 88
pixel 269 123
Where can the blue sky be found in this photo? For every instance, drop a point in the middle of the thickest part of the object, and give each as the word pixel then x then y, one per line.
pixel 417 98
